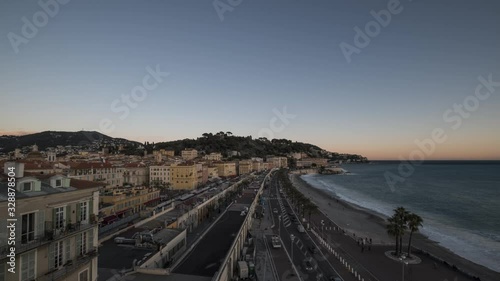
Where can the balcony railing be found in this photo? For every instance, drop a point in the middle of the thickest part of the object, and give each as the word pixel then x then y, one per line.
pixel 71 228
pixel 70 267
pixel 49 235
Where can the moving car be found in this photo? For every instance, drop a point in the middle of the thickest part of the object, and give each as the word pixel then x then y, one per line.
pixel 275 210
pixel 300 228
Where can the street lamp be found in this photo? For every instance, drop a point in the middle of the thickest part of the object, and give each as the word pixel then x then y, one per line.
pixel 279 222
pixel 291 244
pixel 322 227
pixel 403 263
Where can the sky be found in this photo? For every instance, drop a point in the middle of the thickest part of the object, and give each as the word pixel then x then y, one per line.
pixel 167 70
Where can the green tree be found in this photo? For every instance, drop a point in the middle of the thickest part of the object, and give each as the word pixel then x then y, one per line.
pixel 414 223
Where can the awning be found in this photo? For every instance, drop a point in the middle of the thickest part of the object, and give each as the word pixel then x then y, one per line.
pixel 109 219
pixel 122 211
pixel 152 200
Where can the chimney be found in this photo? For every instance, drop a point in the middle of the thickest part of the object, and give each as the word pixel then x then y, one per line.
pixel 18 169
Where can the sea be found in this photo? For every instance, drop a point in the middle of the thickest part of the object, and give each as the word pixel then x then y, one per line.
pixel 459 201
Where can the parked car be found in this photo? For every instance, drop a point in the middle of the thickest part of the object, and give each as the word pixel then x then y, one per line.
pixel 334 278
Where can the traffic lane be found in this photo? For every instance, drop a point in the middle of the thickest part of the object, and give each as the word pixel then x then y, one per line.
pixel 281 262
pixel 322 258
pixel 300 254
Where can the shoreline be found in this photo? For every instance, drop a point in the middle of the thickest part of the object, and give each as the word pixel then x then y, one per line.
pixel 364 222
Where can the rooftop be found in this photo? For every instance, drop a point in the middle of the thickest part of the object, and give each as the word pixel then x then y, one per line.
pixel 46 188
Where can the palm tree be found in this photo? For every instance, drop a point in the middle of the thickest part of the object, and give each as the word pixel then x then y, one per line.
pixel 392 230
pixel 414 223
pixel 400 216
pixel 311 209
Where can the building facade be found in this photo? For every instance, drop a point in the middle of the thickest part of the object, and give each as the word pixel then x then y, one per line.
pixel 184 176
pixel 56 230
pixel 159 175
pixel 189 154
pixel 226 169
pixel 106 173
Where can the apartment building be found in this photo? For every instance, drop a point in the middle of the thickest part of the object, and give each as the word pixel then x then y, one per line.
pixel 257 166
pixel 278 162
pixel 120 202
pixel 106 173
pixel 159 175
pixel 184 176
pixel 189 154
pixel 245 167
pixel 226 169
pixel 212 172
pixel 56 228
pixel 214 156
pixel 308 162
pixel 136 174
pixel 168 153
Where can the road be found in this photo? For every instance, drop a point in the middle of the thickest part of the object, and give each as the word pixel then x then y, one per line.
pixel 302 244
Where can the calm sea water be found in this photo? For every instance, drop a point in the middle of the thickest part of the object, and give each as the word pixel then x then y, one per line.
pixel 459 201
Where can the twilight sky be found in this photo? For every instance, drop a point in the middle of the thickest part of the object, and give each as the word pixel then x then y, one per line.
pixel 235 74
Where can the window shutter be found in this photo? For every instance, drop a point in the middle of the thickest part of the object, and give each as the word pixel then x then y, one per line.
pixel 78 243
pixel 78 210
pixel 91 239
pixel 68 215
pixel 67 248
pixel 51 256
pixel 40 230
pixel 31 266
pixel 53 219
pixel 91 206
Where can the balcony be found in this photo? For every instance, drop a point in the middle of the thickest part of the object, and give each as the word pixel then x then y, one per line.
pixel 70 267
pixel 49 235
pixel 71 228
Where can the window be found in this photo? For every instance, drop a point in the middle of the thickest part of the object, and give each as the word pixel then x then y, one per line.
pixel 83 243
pixel 28 262
pixel 84 208
pixel 27 186
pixel 59 223
pixel 58 183
pixel 28 228
pixel 84 275
pixel 58 254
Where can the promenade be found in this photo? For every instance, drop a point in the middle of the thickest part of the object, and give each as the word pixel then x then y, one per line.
pixel 369 262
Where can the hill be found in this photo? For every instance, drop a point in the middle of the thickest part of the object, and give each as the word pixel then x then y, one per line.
pixel 247 146
pixel 84 139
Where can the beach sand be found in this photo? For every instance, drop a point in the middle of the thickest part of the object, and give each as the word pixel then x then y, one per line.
pixel 366 223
